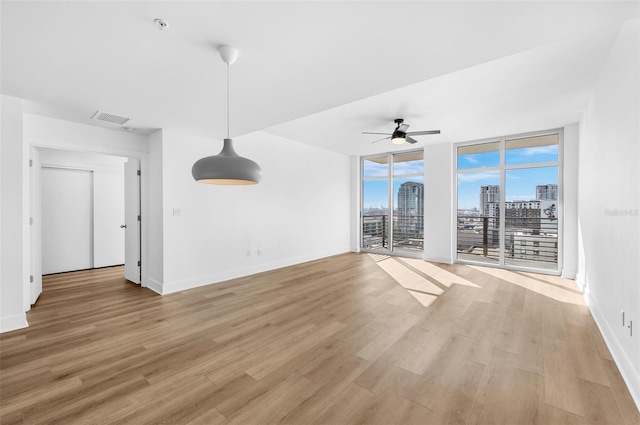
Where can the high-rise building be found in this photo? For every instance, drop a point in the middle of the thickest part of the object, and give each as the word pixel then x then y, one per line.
pixel 547 192
pixel 489 200
pixel 409 223
pixel 411 199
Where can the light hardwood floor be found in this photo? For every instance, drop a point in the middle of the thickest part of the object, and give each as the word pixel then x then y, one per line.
pixel 351 339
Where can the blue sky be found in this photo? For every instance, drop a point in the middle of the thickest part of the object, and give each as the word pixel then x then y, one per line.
pixel 520 183
pixel 375 191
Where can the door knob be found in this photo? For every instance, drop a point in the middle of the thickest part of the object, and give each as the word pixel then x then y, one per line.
pixel 123 226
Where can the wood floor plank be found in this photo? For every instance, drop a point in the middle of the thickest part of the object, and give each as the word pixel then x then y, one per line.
pixel 563 392
pixel 550 415
pixel 276 403
pixel 600 403
pixel 329 389
pixel 498 390
pixel 31 398
pixel 624 401
pixel 588 364
pixel 280 359
pixel 427 345
pixel 387 338
pixel 341 340
pixel 354 405
pixel 211 417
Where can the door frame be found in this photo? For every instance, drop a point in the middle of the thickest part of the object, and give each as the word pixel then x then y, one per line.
pixel 390 194
pixel 143 195
pixel 502 167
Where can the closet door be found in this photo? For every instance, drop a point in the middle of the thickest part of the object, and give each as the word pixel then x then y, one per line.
pixel 67 220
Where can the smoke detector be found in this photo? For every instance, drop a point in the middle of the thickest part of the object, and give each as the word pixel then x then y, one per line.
pixel 161 23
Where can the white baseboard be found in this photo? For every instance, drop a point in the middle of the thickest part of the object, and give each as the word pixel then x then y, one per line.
pixel 154 285
pixel 625 365
pixel 182 285
pixel 569 274
pixel 12 323
pixel 446 260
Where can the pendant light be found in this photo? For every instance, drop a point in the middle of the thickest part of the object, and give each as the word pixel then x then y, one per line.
pixel 227 167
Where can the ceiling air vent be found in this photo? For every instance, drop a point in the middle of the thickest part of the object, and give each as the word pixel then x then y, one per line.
pixel 103 116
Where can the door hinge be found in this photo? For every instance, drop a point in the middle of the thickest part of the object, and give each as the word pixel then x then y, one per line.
pixel 30 220
pixel 139 264
pixel 31 163
pixel 31 279
pixel 139 173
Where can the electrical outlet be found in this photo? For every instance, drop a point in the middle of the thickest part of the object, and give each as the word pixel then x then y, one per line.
pixel 248 253
pixel 177 212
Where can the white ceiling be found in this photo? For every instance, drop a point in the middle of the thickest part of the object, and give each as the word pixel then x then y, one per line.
pixel 316 72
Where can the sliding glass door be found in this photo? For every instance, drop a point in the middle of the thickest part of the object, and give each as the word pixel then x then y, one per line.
pixel 392 207
pixel 375 203
pixel 508 208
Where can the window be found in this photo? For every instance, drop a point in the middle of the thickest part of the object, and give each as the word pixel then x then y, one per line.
pixel 508 197
pixel 392 209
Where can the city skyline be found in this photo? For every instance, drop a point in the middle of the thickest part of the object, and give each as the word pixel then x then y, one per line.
pixel 520 183
pixel 375 192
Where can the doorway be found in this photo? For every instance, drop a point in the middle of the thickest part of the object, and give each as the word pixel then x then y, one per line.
pixel 392 204
pixel 80 223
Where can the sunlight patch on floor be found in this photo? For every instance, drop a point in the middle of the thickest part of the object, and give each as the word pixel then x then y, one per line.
pixel 559 289
pixel 424 291
pixel 424 299
pixel 378 257
pixel 408 278
pixel 441 275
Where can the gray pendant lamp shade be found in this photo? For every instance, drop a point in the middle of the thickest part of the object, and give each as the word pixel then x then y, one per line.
pixel 227 167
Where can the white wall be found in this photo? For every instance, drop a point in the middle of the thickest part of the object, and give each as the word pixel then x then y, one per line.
pixel 609 203
pixel 356 196
pixel 438 203
pixel 300 211
pixel 154 267
pixel 569 188
pixel 14 225
pixel 59 134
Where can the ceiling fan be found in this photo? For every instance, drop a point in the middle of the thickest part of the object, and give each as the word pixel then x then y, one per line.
pixel 400 134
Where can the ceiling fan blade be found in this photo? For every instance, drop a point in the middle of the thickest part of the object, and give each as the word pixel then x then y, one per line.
pixel 403 128
pixel 368 132
pixel 421 133
pixel 380 140
pixel 410 140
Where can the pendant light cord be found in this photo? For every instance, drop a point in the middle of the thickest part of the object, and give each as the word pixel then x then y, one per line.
pixel 228 105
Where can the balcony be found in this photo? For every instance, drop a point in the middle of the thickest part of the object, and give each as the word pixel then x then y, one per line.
pixel 529 241
pixel 408 232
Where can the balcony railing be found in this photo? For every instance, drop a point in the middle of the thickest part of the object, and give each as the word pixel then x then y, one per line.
pixel 527 239
pixel 408 232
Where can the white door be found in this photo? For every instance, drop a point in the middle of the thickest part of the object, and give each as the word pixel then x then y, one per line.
pixel 108 216
pixel 132 221
pixel 36 225
pixel 67 225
